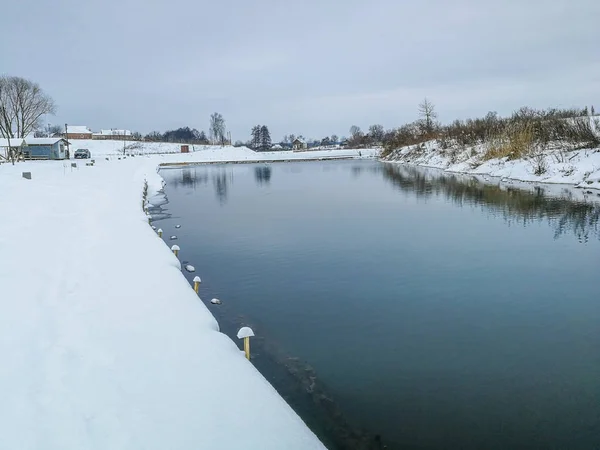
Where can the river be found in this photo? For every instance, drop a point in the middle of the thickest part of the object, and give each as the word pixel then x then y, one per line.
pixel 400 306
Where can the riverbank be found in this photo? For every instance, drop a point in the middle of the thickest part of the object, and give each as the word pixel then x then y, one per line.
pixel 580 167
pixel 103 342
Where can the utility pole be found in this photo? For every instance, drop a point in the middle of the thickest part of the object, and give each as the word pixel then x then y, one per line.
pixel 123 141
pixel 67 139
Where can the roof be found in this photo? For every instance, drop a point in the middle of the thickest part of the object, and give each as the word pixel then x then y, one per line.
pixel 112 132
pixel 81 129
pixel 43 141
pixel 300 140
pixel 14 142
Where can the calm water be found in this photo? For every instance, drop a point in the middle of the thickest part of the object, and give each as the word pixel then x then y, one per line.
pixel 433 310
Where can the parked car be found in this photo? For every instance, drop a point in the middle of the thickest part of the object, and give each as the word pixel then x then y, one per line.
pixel 82 153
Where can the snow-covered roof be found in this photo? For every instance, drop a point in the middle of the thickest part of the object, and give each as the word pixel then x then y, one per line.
pixel 81 129
pixel 42 141
pixel 115 132
pixel 14 142
pixel 302 141
pixel 277 147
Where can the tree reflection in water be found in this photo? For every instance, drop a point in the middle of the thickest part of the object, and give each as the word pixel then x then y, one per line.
pixel 516 204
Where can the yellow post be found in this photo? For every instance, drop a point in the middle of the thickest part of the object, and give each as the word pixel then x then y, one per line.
pixel 246 333
pixel 196 284
pixel 176 249
pixel 247 347
pixel 160 232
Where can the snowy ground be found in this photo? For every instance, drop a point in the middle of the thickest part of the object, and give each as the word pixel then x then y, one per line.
pixel 577 167
pixel 103 343
pixel 171 152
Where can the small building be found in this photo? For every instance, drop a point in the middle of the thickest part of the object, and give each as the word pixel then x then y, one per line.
pixel 113 134
pixel 277 147
pixel 6 147
pixel 44 148
pixel 299 144
pixel 78 132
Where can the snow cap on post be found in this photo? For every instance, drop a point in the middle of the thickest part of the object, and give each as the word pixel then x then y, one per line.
pixel 245 332
pixel 197 279
pixel 175 247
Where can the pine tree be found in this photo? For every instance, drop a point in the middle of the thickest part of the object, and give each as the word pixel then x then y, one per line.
pixel 265 138
pixel 255 141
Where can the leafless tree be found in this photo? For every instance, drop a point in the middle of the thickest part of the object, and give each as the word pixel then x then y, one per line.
pixel 22 105
pixel 334 139
pixel 355 131
pixel 376 133
pixel 217 128
pixel 428 115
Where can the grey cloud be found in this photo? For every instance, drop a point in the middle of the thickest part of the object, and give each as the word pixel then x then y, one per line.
pixel 311 67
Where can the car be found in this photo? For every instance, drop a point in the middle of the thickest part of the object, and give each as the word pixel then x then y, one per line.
pixel 82 153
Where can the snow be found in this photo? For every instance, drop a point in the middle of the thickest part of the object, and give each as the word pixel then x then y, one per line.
pixel 190 268
pixel 197 279
pixel 215 301
pixel 78 129
pixel 244 332
pixel 103 343
pixel 578 167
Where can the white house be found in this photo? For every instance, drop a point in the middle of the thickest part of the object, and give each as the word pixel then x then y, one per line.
pixel 299 144
pixel 113 133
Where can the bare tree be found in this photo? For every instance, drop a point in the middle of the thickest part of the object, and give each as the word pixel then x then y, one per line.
pixel 355 131
pixel 334 139
pixel 217 128
pixel 376 133
pixel 428 115
pixel 22 105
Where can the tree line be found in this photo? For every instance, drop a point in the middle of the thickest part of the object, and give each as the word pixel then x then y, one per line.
pixel 217 134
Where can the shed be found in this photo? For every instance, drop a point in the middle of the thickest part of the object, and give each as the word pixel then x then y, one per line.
pixel 44 148
pixel 299 144
pixel 5 147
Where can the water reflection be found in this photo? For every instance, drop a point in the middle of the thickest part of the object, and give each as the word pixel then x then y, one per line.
pixel 194 177
pixel 221 181
pixel 561 209
pixel 262 175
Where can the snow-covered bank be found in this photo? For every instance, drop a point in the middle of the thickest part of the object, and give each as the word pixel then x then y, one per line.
pixel 208 153
pixel 103 343
pixel 577 167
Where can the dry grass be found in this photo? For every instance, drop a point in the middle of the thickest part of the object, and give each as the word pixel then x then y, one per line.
pixel 515 142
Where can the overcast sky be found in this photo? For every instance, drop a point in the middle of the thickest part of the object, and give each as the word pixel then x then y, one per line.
pixel 311 67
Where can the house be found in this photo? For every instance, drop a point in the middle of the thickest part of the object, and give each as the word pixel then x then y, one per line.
pixel 299 144
pixel 112 134
pixel 277 147
pixel 78 132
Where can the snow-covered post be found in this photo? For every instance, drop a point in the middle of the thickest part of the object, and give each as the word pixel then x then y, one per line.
pixel 160 232
pixel 176 249
pixel 246 333
pixel 197 282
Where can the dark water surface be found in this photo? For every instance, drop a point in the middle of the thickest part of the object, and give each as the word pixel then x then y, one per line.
pixel 430 309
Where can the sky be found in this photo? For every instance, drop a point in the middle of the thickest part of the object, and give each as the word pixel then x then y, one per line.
pixel 310 67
